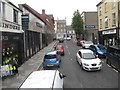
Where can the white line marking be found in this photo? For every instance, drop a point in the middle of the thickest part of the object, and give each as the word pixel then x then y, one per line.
pixel 115 70
pixel 108 65
pixel 71 59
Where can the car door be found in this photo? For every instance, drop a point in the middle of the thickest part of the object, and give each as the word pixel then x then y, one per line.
pixel 58 82
pixel 79 57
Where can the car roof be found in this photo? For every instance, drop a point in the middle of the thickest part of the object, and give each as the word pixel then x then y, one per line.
pixel 50 52
pixel 40 79
pixel 85 50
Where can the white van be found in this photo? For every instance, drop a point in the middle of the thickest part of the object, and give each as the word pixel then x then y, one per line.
pixel 44 79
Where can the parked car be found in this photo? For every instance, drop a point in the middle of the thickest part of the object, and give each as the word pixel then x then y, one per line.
pixel 49 79
pixel 51 59
pixel 100 50
pixel 59 48
pixel 113 57
pixel 79 42
pixel 88 60
pixel 61 40
pixel 86 44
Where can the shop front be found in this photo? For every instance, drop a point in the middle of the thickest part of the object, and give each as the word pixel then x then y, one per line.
pixel 108 37
pixel 12 47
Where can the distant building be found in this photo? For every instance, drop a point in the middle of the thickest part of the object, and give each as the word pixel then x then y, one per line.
pixel 90 26
pixel 70 32
pixel 60 28
pixel 108 18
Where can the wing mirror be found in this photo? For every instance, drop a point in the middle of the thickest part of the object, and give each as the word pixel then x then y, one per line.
pixel 62 75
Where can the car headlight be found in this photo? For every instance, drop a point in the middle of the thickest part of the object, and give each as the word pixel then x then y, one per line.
pixel 100 63
pixel 86 64
pixel 100 52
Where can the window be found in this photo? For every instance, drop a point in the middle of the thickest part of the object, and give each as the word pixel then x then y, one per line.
pixel 100 23
pixel 106 22
pixel 100 11
pixel 113 19
pixel 3 9
pixel 105 6
pixel 15 15
pixel 114 4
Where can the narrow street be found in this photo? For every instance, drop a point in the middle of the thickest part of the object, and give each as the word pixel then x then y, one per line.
pixel 78 78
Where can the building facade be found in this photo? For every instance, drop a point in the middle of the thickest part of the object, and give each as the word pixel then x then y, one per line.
pixel 11 33
pixel 90 26
pixel 49 27
pixel 60 29
pixel 108 22
pixel 34 31
pixel 70 31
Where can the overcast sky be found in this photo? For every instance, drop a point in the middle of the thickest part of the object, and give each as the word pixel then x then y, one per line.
pixel 60 8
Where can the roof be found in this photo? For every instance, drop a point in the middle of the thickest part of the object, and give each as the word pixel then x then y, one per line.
pixel 33 12
pixel 50 52
pixel 40 79
pixel 13 5
pixel 85 50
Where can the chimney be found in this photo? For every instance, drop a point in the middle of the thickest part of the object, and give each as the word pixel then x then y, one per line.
pixel 43 11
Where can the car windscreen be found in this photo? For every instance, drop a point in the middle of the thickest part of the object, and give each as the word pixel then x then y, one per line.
pixel 101 47
pixel 88 56
pixel 88 42
pixel 50 56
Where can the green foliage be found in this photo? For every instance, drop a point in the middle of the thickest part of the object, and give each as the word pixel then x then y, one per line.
pixel 77 23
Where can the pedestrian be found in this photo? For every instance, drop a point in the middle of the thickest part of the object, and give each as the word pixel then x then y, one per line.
pixel 14 66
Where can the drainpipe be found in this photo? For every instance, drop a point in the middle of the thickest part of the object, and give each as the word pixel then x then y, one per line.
pixel 118 25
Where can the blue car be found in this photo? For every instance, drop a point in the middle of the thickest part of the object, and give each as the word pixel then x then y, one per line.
pixel 51 59
pixel 99 50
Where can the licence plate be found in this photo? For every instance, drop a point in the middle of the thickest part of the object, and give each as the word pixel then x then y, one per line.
pixel 49 65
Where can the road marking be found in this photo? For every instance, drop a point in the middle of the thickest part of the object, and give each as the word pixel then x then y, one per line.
pixel 108 65
pixel 71 59
pixel 115 70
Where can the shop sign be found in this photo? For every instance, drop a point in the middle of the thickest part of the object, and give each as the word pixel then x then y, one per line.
pixel 90 26
pixel 10 26
pixel 109 32
pixel 4 37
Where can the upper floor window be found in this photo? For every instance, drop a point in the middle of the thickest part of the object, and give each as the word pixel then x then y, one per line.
pixel 100 11
pixel 106 22
pixel 3 9
pixel 106 7
pixel 15 15
pixel 100 23
pixel 113 19
pixel 114 4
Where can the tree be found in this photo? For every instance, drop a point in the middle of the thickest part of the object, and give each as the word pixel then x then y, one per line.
pixel 77 24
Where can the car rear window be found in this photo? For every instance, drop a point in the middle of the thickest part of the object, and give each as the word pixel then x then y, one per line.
pixel 50 56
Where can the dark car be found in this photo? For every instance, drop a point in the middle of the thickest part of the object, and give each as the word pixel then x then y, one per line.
pixel 98 49
pixel 113 57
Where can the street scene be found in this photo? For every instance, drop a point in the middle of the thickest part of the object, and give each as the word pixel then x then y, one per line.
pixel 44 51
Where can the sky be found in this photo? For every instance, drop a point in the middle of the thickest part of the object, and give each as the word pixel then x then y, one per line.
pixel 60 9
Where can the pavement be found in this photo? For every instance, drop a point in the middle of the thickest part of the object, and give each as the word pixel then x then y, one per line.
pixel 33 64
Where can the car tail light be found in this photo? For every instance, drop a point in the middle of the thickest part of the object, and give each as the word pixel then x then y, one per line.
pixel 62 50
pixel 56 57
